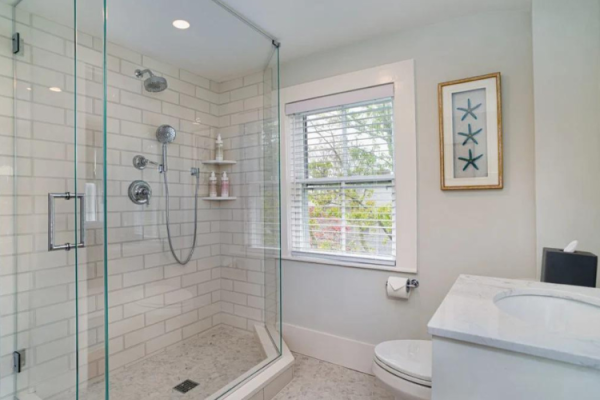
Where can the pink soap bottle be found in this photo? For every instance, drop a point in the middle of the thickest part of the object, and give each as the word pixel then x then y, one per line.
pixel 224 185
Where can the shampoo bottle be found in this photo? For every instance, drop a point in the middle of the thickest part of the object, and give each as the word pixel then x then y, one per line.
pixel 224 185
pixel 212 185
pixel 219 149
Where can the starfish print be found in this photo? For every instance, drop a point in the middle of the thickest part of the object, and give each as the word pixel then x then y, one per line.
pixel 470 160
pixel 469 110
pixel 470 135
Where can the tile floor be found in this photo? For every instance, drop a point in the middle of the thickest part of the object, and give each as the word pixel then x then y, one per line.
pixel 218 357
pixel 213 359
pixel 318 380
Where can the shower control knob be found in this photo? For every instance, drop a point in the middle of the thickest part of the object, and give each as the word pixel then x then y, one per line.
pixel 140 192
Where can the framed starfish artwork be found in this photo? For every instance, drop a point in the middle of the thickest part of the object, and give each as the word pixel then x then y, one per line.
pixel 470 112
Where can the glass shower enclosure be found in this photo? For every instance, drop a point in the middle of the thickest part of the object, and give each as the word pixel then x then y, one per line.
pixel 121 277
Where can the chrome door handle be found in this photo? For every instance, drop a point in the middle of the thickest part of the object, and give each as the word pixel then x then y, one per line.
pixel 51 220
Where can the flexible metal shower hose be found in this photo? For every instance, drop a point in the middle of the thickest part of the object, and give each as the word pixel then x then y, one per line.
pixel 189 257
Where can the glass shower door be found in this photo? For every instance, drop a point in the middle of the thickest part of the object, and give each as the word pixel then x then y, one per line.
pixel 52 259
pixel 87 158
pixel 271 221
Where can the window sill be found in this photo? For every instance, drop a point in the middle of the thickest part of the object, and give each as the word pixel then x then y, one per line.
pixel 315 260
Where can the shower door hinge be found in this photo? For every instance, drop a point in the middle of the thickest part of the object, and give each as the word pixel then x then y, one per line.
pixel 18 360
pixel 16 43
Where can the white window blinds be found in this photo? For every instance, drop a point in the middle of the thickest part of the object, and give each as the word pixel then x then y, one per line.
pixel 342 177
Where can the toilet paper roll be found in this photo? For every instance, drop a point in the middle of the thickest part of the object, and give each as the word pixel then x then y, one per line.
pixel 397 287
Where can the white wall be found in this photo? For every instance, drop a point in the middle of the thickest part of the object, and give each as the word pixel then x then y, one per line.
pixel 566 58
pixel 242 273
pixel 478 232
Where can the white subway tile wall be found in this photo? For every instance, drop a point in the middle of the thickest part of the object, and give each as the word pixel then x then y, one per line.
pixel 154 303
pixel 242 247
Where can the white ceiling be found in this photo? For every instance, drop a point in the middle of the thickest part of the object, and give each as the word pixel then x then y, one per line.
pixel 218 46
pixel 308 26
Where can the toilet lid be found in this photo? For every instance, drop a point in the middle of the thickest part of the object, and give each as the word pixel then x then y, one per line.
pixel 410 357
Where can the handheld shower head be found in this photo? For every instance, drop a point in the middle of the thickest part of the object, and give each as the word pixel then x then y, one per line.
pixel 165 134
pixel 154 83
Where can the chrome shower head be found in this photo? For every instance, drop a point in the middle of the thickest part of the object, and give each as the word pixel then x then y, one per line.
pixel 154 83
pixel 165 134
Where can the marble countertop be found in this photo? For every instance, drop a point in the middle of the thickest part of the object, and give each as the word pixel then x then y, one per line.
pixel 469 314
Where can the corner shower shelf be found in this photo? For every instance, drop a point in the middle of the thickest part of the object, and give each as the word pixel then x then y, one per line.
pixel 223 162
pixel 219 198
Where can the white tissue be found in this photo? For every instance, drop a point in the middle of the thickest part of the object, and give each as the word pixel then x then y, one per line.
pixel 397 283
pixel 571 247
pixel 397 287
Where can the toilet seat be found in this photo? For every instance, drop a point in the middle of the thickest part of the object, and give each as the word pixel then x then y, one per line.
pixel 410 360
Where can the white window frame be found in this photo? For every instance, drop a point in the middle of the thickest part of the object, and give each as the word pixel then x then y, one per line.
pixel 402 76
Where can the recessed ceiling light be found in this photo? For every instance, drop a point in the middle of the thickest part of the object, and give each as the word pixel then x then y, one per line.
pixel 181 24
pixel 55 89
pixel 28 88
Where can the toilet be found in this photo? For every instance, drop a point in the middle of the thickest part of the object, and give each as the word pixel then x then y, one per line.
pixel 404 368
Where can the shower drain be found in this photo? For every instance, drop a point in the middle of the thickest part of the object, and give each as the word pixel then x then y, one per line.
pixel 185 386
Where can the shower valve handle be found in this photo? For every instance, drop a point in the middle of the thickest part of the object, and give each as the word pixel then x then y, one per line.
pixel 140 192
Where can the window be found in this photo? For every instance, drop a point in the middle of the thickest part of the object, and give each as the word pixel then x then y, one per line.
pixel 350 170
pixel 342 198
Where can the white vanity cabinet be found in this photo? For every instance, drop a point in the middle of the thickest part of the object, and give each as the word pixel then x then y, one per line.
pixel 500 339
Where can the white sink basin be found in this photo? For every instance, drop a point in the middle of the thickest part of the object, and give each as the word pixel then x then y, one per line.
pixel 554 310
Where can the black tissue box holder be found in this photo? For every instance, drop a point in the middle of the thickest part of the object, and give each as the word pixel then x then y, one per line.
pixel 579 268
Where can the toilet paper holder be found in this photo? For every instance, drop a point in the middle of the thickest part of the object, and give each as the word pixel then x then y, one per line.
pixel 412 284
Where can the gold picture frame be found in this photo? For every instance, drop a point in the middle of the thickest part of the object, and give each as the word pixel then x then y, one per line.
pixel 470 123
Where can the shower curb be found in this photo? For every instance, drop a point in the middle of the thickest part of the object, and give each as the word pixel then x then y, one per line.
pixel 267 383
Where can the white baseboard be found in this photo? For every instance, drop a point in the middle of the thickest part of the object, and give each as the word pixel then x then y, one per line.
pixel 326 347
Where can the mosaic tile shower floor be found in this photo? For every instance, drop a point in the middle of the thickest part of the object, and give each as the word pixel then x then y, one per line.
pixel 212 360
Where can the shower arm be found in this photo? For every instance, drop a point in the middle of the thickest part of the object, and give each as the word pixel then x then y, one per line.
pixel 140 162
pixel 140 73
